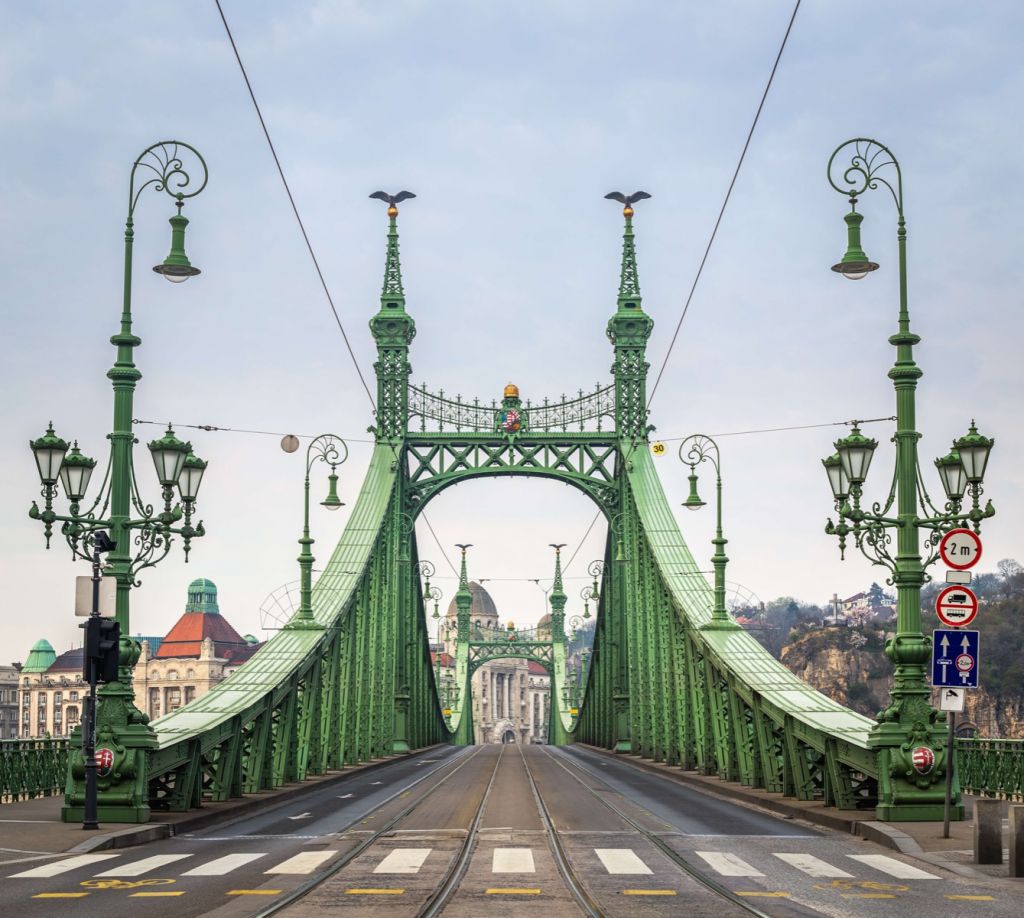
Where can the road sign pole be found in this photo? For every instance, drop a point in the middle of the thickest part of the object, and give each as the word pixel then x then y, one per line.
pixel 948 803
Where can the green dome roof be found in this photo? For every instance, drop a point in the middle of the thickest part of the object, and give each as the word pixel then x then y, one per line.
pixel 40 658
pixel 250 639
pixel 202 597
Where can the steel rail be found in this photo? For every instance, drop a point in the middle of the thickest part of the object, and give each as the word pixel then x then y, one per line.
pixel 565 868
pixel 349 856
pixel 697 874
pixel 460 863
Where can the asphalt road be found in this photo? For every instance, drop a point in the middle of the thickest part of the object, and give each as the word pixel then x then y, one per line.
pixel 474 824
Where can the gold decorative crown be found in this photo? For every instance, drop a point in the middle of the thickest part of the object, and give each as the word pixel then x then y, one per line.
pixel 511 391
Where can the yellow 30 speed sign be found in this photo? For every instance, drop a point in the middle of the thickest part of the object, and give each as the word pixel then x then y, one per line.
pixel 658 448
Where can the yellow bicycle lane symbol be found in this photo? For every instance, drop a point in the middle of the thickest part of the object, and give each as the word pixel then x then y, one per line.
pixel 865 884
pixel 123 884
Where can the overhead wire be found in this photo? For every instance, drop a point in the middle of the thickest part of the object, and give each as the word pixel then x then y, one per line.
pixel 725 202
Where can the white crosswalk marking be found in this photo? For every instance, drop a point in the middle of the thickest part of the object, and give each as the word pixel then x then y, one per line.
pixel 138 868
pixel 812 866
pixel 622 860
pixel 59 867
pixel 304 862
pixel 512 860
pixel 728 865
pixel 893 867
pixel 222 865
pixel 403 860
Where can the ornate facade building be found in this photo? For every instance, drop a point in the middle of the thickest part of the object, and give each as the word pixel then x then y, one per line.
pixel 511 698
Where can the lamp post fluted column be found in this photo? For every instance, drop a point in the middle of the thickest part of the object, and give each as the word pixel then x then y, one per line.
pixel 907 735
pixel 700 448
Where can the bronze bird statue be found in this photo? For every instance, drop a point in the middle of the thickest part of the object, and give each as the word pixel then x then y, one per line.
pixel 392 200
pixel 627 200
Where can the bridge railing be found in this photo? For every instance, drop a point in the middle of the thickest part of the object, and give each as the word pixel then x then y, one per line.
pixel 991 767
pixel 32 768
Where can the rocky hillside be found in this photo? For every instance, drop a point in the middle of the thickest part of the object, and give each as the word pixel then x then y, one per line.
pixel 848 665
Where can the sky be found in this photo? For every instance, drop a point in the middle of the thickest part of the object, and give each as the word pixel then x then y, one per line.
pixel 510 122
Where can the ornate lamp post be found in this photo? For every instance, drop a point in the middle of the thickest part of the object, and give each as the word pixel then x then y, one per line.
pixel 332 450
pixel 141 534
pixel 909 785
pixel 432 594
pixel 703 449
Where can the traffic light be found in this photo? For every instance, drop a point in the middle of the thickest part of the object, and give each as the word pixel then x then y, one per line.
pixel 102 636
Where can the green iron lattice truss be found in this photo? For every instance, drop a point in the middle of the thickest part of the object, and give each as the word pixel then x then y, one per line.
pixel 361 686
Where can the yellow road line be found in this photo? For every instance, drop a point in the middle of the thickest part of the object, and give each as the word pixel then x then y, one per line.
pixel 766 895
pixel 868 896
pixel 59 895
pixel 253 892
pixel 973 898
pixel 648 892
pixel 374 892
pixel 513 891
pixel 151 895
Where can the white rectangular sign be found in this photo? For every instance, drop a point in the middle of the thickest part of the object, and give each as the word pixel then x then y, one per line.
pixel 962 577
pixel 952 699
pixel 83 596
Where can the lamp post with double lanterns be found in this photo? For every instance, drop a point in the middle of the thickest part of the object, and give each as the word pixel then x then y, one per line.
pixel 140 533
pixel 700 448
pixel 907 735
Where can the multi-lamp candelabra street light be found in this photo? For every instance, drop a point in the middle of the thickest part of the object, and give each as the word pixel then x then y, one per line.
pixel 333 451
pixel 140 534
pixel 905 792
pixel 694 450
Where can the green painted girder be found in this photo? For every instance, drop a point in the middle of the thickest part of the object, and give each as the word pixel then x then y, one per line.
pixel 438 460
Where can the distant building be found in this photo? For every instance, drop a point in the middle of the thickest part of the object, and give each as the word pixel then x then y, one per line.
pixel 200 650
pixel 9 701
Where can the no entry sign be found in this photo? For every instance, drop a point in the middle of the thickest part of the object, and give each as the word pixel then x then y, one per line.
pixel 956 606
pixel 960 549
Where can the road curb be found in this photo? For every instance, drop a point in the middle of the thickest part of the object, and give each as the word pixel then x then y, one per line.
pixel 231 810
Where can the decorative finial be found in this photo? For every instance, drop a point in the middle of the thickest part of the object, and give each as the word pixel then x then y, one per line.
pixel 627 200
pixel 511 391
pixel 392 200
pixel 392 266
pixel 629 280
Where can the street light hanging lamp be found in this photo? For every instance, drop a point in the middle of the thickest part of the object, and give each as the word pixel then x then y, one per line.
pixel 75 473
pixel 169 454
pixel 191 477
pixel 854 264
pixel 952 474
pixel 176 267
pixel 837 478
pixel 693 501
pixel 49 451
pixel 974 449
pixel 332 501
pixel 855 452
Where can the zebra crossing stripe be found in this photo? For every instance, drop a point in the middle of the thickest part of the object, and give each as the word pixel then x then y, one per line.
pixel 403 860
pixel 138 868
pixel 58 867
pixel 512 860
pixel 222 865
pixel 302 863
pixel 728 865
pixel 893 867
pixel 622 861
pixel 812 866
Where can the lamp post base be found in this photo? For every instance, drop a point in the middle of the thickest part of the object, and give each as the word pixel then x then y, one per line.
pixel 912 766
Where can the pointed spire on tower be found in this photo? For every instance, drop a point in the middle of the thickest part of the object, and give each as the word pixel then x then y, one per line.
pixel 463 598
pixel 557 597
pixel 629 279
pixel 392 289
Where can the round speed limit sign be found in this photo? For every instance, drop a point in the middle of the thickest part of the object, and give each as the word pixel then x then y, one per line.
pixel 658 448
pixel 960 549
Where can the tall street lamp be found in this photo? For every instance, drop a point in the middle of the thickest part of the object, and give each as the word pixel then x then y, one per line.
pixel 910 785
pixel 333 451
pixel 700 448
pixel 141 533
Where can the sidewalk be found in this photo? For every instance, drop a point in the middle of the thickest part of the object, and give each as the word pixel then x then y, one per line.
pixel 34 826
pixel 921 840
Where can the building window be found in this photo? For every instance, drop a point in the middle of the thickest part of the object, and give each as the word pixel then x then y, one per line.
pixel 154 702
pixel 190 693
pixel 73 696
pixel 173 699
pixel 72 715
pixel 172 674
pixel 58 698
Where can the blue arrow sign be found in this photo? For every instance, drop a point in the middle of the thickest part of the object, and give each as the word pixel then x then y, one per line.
pixel 955 658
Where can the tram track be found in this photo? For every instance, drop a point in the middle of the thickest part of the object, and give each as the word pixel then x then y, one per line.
pixel 692 871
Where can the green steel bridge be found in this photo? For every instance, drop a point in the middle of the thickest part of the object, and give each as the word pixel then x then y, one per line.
pixel 352 681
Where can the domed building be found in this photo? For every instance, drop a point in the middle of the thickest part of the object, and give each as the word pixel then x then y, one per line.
pixel 511 698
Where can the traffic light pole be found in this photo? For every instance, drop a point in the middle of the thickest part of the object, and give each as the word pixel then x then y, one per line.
pixel 89 820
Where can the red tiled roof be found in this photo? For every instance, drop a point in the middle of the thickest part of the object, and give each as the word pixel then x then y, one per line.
pixel 536 669
pixel 446 658
pixel 186 638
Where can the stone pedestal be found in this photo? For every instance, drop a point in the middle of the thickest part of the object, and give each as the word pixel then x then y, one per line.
pixel 1016 840
pixel 988 832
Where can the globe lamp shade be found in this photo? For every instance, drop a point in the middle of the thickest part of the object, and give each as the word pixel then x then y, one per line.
pixel 49 451
pixel 953 475
pixel 837 478
pixel 974 449
pixel 176 267
pixel 75 474
pixel 169 457
pixel 854 264
pixel 855 452
pixel 191 477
